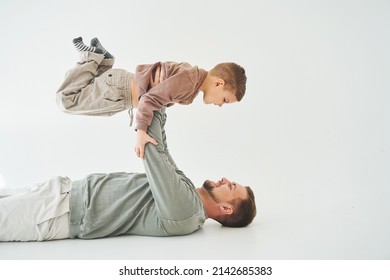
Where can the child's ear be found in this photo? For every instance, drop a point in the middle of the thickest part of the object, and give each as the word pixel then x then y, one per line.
pixel 219 82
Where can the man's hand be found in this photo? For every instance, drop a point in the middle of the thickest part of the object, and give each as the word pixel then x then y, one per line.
pixel 141 140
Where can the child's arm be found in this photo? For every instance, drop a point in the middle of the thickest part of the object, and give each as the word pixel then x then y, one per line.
pixel 142 138
pixel 158 77
pixel 169 90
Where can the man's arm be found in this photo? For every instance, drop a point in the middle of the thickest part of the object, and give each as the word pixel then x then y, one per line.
pixel 173 192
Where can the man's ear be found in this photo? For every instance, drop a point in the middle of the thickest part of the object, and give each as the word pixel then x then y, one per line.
pixel 226 209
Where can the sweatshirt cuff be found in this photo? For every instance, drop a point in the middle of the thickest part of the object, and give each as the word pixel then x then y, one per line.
pixel 142 126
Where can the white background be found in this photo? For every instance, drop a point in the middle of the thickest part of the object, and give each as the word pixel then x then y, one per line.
pixel 311 136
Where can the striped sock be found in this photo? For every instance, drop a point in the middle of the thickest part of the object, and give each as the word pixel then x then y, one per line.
pixel 96 43
pixel 81 47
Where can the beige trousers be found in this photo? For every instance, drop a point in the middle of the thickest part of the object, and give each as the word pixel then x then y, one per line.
pixel 38 213
pixel 93 88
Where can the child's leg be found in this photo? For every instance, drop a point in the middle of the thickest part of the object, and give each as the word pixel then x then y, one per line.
pixel 95 47
pixel 93 88
pixel 102 67
pixel 96 43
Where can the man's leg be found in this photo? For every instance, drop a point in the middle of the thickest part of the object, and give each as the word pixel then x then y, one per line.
pixel 39 213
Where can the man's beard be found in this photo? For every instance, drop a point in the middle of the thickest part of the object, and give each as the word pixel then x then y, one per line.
pixel 209 187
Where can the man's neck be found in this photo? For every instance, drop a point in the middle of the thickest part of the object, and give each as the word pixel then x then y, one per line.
pixel 208 203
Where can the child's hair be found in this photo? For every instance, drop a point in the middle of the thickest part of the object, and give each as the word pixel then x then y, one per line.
pixel 233 75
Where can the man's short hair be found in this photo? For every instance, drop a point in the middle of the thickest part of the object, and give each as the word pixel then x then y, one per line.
pixel 244 211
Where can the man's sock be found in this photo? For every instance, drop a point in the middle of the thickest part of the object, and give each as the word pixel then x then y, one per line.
pixel 96 43
pixel 81 47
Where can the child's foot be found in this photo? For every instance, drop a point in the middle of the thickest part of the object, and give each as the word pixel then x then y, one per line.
pixel 96 43
pixel 81 47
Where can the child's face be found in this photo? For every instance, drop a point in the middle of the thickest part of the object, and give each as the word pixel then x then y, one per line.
pixel 219 96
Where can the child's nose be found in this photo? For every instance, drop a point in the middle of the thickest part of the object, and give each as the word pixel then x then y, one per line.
pixel 225 181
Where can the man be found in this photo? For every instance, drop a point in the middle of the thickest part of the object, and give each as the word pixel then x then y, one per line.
pixel 162 202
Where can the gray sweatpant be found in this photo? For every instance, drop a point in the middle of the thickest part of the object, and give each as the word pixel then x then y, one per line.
pixel 93 88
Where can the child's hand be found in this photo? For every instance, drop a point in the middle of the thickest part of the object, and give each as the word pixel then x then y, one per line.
pixel 141 140
pixel 157 78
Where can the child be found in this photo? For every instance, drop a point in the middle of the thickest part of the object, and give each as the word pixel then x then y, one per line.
pixel 93 87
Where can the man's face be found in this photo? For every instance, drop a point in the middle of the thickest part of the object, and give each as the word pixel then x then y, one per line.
pixel 224 190
pixel 219 96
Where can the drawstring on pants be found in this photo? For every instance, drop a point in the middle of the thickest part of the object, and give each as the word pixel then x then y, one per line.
pixel 131 115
